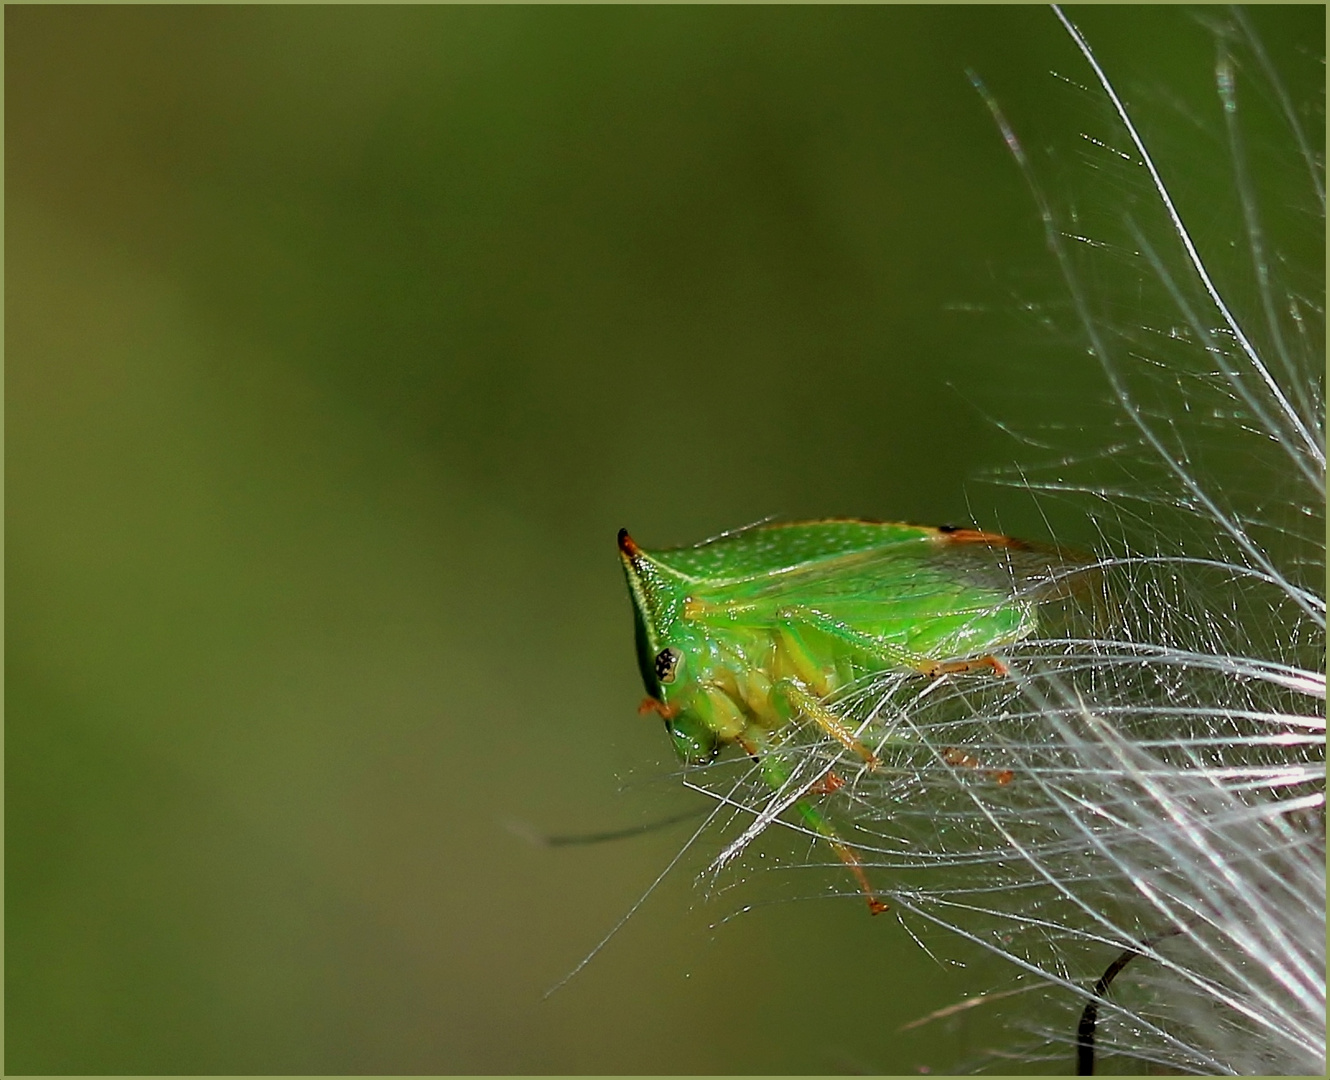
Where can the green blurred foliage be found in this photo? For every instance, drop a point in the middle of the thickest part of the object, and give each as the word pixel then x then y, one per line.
pixel 340 343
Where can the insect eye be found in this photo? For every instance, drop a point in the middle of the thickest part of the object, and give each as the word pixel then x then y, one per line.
pixel 667 665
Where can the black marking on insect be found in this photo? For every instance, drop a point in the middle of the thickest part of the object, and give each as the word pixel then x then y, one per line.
pixel 667 665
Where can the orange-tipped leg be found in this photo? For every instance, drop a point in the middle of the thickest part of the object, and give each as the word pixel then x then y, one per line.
pixel 851 859
pixel 829 783
pixel 844 852
pixel 961 667
pixel 828 721
pixel 651 705
pixel 954 756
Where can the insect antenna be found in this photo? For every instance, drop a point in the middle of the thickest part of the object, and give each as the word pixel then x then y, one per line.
pixel 605 836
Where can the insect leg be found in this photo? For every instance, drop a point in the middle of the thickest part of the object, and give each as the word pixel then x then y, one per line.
pixel 651 705
pixel 936 668
pixel 775 773
pixel 830 783
pixel 808 688
pixel 955 756
pixel 897 656
pixel 844 852
pixel 813 707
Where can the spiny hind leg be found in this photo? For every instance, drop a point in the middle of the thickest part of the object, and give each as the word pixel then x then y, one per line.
pixel 776 774
pixel 804 701
pixel 848 855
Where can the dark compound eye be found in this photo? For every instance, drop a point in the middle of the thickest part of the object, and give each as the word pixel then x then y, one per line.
pixel 667 665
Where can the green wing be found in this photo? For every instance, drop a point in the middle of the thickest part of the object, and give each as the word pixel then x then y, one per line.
pixel 922 590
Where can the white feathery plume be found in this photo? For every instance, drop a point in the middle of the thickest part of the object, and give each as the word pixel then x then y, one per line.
pixel 1150 780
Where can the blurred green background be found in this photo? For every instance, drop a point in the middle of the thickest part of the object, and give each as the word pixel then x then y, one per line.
pixel 340 342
